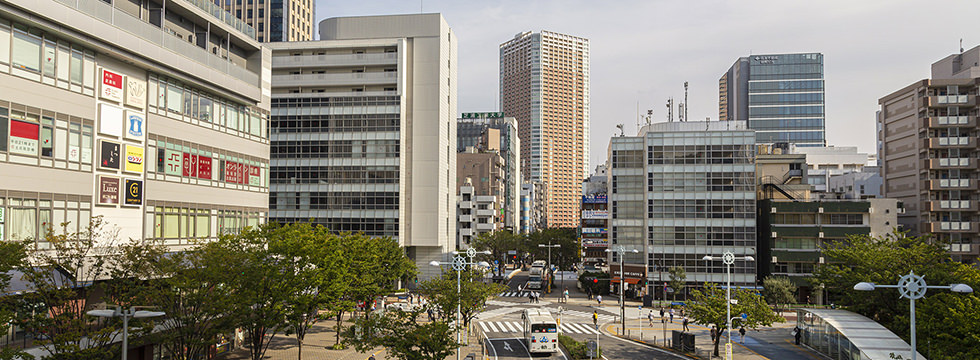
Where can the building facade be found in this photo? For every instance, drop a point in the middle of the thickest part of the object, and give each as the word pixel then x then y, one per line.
pixel 595 218
pixel 360 142
pixel 481 180
pixel 680 191
pixel 928 132
pixel 544 84
pixel 274 20
pixel 534 207
pixel 492 131
pixel 780 95
pixel 864 184
pixel 827 161
pixel 791 234
pixel 476 214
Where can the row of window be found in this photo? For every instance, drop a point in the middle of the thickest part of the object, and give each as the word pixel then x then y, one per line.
pixel 774 111
pixel 775 99
pixel 184 224
pixel 335 101
pixel 335 149
pixel 786 86
pixel 170 98
pixel 39 136
pixel 790 136
pixel 335 123
pixel 333 200
pixel 31 218
pixel 369 226
pixel 187 162
pixel 33 54
pixel 790 124
pixel 335 175
pixel 809 219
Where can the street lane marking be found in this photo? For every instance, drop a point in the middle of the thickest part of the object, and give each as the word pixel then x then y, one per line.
pixel 484 327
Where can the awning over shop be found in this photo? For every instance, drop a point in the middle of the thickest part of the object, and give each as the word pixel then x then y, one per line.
pixel 628 281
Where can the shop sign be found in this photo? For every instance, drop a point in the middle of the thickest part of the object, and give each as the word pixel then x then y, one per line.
pixel 231 172
pixel 135 125
pixel 594 199
pixel 112 86
pixel 108 190
pixel 108 155
pixel 134 192
pixel 190 165
pixel 23 138
pixel 254 175
pixel 172 162
pixel 632 271
pixel 595 230
pixel 110 120
pixel 595 214
pixel 203 167
pixel 134 159
pixel 135 93
pixel 483 115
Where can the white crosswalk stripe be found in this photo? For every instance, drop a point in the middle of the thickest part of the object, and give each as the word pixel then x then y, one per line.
pixel 576 313
pixel 516 327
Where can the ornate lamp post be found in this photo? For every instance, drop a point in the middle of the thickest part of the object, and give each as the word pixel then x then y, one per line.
pixel 622 282
pixel 459 264
pixel 729 259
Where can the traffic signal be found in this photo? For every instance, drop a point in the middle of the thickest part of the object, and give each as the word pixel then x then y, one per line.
pixel 595 281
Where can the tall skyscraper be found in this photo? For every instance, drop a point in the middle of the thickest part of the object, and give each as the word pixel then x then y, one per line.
pixel 780 95
pixel 275 20
pixel 544 83
pixel 928 153
pixel 363 131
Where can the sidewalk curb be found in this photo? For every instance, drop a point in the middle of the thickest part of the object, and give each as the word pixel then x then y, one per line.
pixel 655 347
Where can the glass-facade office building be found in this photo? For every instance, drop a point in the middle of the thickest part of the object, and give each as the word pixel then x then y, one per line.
pixel 781 97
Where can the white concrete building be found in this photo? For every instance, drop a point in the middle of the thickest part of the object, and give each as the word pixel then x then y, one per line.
pixel 829 161
pixel 476 214
pixel 364 125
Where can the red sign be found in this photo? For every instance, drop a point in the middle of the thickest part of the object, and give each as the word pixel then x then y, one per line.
pixel 110 78
pixel 203 167
pixel 242 173
pixel 190 165
pixel 231 172
pixel 23 138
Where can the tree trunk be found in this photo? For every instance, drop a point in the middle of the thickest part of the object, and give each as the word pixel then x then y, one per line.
pixel 299 349
pixel 340 315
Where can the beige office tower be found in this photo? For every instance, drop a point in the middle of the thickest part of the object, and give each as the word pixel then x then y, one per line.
pixel 544 83
pixel 364 131
pixel 927 143
pixel 275 20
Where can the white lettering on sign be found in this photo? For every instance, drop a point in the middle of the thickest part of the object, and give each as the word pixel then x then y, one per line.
pixel 767 59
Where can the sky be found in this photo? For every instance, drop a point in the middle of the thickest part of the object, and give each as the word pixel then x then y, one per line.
pixel 642 52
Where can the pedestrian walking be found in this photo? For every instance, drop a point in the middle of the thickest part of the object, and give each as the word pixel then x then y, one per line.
pixel 714 334
pixel 686 321
pixel 429 312
pixel 661 314
pixel 650 318
pixel 598 298
pixel 565 296
pixel 672 315
pixel 372 357
pixel 797 333
pixel 590 293
pixel 741 333
pixel 530 297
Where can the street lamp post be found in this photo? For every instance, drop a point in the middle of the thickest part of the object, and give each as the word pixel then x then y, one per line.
pixel 549 246
pixel 913 287
pixel 728 258
pixel 459 264
pixel 125 315
pixel 622 282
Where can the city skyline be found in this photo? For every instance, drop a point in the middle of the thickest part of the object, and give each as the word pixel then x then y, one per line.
pixel 624 36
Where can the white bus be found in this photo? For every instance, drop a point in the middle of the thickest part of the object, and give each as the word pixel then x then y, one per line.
pixel 540 331
pixel 537 277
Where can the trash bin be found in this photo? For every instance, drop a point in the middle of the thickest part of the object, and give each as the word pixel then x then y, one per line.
pixel 470 356
pixel 682 341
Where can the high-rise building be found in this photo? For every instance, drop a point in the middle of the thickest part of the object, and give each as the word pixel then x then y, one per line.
pixel 780 95
pixel 275 20
pixel 544 84
pixel 119 111
pixel 677 192
pixel 928 152
pixel 492 131
pixel 360 139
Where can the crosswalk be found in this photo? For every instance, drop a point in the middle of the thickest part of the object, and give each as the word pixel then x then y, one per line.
pixel 588 315
pixel 514 294
pixel 516 327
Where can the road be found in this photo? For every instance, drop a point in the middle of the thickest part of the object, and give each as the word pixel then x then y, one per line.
pixel 501 325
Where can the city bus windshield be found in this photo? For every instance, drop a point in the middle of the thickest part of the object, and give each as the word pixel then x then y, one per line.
pixel 544 328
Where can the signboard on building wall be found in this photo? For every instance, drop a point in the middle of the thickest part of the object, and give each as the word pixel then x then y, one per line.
pixel 254 173
pixel 483 115
pixel 135 93
pixel 23 138
pixel 110 120
pixel 190 165
pixel 594 199
pixel 595 231
pixel 109 155
pixel 135 124
pixel 134 192
pixel 203 167
pixel 595 214
pixel 231 172
pixel 108 190
pixel 599 242
pixel 632 271
pixel 134 159
pixel 111 87
pixel 172 161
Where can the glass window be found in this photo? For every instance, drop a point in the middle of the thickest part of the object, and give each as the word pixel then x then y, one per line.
pixel 87 144
pixel 49 58
pixel 205 112
pixel 203 224
pixel 74 142
pixel 27 51
pixel 22 224
pixel 175 98
pixel 76 67
pixel 3 129
pixel 170 224
pixel 4 42
pixel 47 141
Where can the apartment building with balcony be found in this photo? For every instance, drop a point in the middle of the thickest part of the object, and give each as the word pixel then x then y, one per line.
pixel 928 132
pixel 364 131
pixel 274 20
pixel 151 116
pixel 679 191
pixel 495 132
pixel 595 218
pixel 791 234
pixel 482 183
pixel 476 214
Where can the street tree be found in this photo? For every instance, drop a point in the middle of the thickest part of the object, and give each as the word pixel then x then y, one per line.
pixel 708 306
pixel 12 255
pixel 60 281
pixel 947 321
pixel 472 296
pixel 403 335
pixel 678 277
pixel 498 243
pixel 565 256
pixel 778 290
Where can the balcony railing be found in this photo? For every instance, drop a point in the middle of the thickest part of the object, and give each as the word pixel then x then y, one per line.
pixel 954 204
pixel 334 60
pixel 951 99
pixel 953 120
pixel 226 17
pixel 954 183
pixel 953 162
pixel 954 225
pixel 954 141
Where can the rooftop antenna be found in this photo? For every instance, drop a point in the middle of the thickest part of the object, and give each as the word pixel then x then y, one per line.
pixel 649 115
pixel 637 116
pixel 670 109
pixel 961 45
pixel 686 105
pixel 621 131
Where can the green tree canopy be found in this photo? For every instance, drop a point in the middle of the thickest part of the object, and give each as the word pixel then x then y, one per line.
pixel 473 292
pixel 678 277
pixel 498 243
pixel 404 335
pixel 12 255
pixel 778 290
pixel 947 322
pixel 565 256
pixel 708 306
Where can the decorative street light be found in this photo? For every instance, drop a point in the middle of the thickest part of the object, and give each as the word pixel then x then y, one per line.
pixel 728 258
pixel 459 264
pixel 622 282
pixel 549 246
pixel 125 315
pixel 913 287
